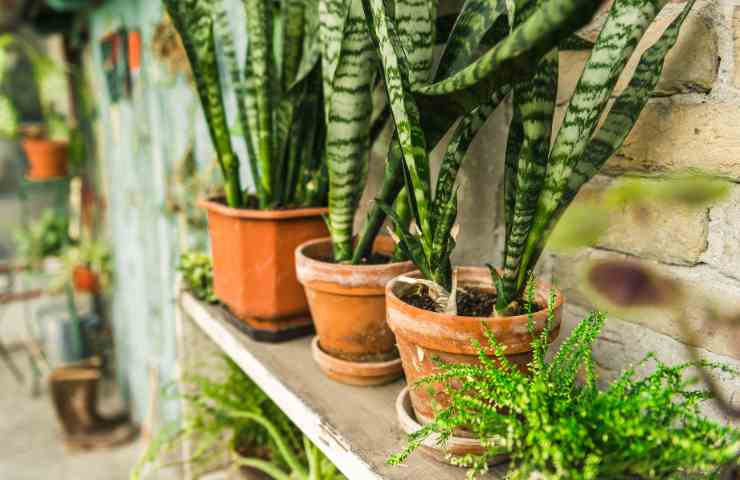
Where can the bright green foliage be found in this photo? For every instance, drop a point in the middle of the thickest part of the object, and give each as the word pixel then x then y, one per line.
pixel 235 410
pixel 197 273
pixel 540 186
pixel 44 238
pixel 278 93
pixel 465 87
pixel 555 426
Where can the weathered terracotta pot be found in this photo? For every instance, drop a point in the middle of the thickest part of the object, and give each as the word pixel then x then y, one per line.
pixel 85 280
pixel 254 263
pixel 423 335
pixel 457 446
pixel 47 159
pixel 348 308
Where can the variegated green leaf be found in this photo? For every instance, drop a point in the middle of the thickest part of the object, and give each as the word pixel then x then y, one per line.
pixel 551 21
pixel 349 110
pixel 260 83
pixel 396 72
pixel 415 24
pixel 534 100
pixel 475 20
pixel 193 21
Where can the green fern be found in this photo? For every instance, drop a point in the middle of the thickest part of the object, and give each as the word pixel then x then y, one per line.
pixel 557 424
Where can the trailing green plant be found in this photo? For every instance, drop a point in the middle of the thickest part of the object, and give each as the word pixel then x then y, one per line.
pixel 554 426
pixel 278 93
pixel 237 412
pixel 197 273
pixel 47 237
pixel 483 54
pixel 50 78
pixel 520 42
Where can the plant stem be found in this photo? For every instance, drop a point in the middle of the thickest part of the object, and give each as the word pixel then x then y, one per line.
pixel 392 185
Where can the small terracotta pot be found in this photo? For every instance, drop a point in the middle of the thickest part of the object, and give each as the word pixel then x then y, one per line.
pixel 455 447
pixel 85 280
pixel 254 263
pixel 423 335
pixel 47 159
pixel 348 308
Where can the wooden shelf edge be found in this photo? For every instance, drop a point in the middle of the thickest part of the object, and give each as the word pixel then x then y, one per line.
pixel 328 439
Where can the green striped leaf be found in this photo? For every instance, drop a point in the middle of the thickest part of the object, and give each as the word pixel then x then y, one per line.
pixel 349 110
pixel 576 155
pixel 553 20
pixel 415 24
pixel 192 19
pixel 475 20
pixel 260 83
pixel 534 101
pixel 396 72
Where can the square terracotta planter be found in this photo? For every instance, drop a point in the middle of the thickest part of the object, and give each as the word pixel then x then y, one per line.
pixel 254 262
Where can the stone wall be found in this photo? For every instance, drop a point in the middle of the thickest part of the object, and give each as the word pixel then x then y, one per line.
pixel 693 123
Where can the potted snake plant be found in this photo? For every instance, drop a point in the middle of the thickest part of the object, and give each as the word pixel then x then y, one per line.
pixel 279 98
pixel 437 311
pixel 344 285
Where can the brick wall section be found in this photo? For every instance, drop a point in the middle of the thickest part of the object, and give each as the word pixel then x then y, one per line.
pixel 693 124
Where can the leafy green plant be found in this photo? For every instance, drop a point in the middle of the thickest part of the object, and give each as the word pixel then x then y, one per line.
pixel 554 426
pixel 50 78
pixel 278 92
pixel 237 412
pixel 197 273
pixel 47 237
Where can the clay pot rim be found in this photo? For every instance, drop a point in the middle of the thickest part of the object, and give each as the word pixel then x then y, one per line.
pixel 214 204
pixel 43 140
pixel 341 267
pixel 446 317
pixel 357 369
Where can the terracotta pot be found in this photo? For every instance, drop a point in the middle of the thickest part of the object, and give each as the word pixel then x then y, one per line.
pixel 348 301
pixel 423 335
pixel 85 280
pixel 254 263
pixel 455 447
pixel 47 159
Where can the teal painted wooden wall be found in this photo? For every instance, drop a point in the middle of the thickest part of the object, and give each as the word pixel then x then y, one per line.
pixel 141 140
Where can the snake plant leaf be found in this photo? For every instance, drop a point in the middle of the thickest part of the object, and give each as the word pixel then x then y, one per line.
pixel 513 150
pixel 411 245
pixel 416 27
pixel 571 152
pixel 225 38
pixel 260 86
pixel 474 21
pixel 332 17
pixel 311 42
pixel 396 72
pixel 293 38
pixel 194 23
pixel 457 148
pixel 626 108
pixel 442 243
pixel 551 21
pixel 534 100
pixel 349 110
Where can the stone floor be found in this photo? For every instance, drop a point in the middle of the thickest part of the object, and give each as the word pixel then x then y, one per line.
pixel 31 448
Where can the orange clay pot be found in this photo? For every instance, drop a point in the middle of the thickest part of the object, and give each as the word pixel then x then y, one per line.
pixel 348 308
pixel 47 159
pixel 423 335
pixel 254 263
pixel 85 280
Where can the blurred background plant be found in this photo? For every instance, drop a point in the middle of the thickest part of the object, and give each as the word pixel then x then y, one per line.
pixel 197 273
pixel 234 412
pixel 45 238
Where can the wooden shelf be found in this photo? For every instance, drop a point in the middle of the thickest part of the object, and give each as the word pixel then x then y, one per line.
pixel 355 427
